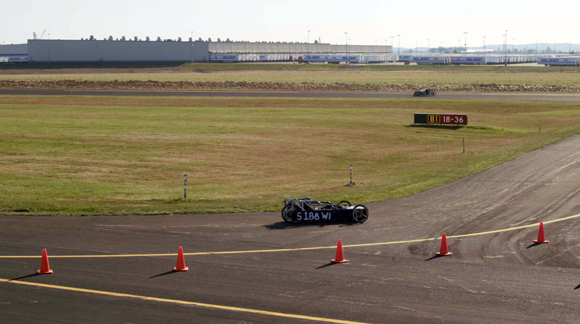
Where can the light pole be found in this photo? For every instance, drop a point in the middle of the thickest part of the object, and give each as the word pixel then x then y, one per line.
pixel 48 47
pixel 191 40
pixel 346 42
pixel 465 34
pixel 399 36
pixel 415 47
pixel 428 44
pixel 505 48
pixel 484 51
pixel 308 41
pixel 349 58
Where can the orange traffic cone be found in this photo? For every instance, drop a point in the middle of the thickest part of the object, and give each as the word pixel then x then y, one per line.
pixel 180 261
pixel 44 266
pixel 444 250
pixel 339 258
pixel 541 235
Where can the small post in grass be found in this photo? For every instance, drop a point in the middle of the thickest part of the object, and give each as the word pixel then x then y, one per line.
pixel 538 127
pixel 464 145
pixel 351 175
pixel 185 186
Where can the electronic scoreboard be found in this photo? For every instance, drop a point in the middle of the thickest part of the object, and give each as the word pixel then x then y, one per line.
pixel 441 119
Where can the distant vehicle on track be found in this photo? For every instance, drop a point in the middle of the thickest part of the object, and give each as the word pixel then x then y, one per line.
pixel 307 210
pixel 425 92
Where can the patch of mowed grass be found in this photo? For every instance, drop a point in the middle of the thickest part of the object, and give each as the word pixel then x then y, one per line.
pixel 124 155
pixel 414 75
pixel 346 76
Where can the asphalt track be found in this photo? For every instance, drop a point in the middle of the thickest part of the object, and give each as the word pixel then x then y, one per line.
pixel 118 269
pixel 564 97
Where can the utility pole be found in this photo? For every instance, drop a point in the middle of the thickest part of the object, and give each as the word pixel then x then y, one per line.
pixel 465 34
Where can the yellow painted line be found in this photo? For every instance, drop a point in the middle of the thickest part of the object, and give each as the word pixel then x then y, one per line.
pixel 206 253
pixel 182 302
pixel 515 228
pixel 286 250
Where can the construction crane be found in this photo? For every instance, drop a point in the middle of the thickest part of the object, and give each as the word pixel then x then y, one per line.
pixel 44 31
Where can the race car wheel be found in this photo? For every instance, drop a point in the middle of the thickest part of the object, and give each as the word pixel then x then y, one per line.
pixel 344 203
pixel 432 93
pixel 287 213
pixel 360 213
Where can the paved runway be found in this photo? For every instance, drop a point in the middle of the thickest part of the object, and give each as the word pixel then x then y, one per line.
pixel 118 269
pixel 496 277
pixel 566 97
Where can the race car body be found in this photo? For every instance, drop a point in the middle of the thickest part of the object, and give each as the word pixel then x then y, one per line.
pixel 306 210
pixel 425 92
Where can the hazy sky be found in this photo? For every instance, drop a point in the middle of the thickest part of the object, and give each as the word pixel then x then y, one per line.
pixel 367 22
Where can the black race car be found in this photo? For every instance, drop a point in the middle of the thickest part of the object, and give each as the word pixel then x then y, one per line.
pixel 307 210
pixel 425 92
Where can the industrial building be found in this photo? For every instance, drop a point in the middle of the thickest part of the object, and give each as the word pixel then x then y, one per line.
pixel 14 53
pixel 466 59
pixel 176 50
pixel 136 50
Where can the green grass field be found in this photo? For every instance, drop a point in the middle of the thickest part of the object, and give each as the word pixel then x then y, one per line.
pixel 311 73
pixel 348 77
pixel 115 156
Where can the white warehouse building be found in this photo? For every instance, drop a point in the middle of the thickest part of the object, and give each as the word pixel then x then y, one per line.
pixel 134 50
